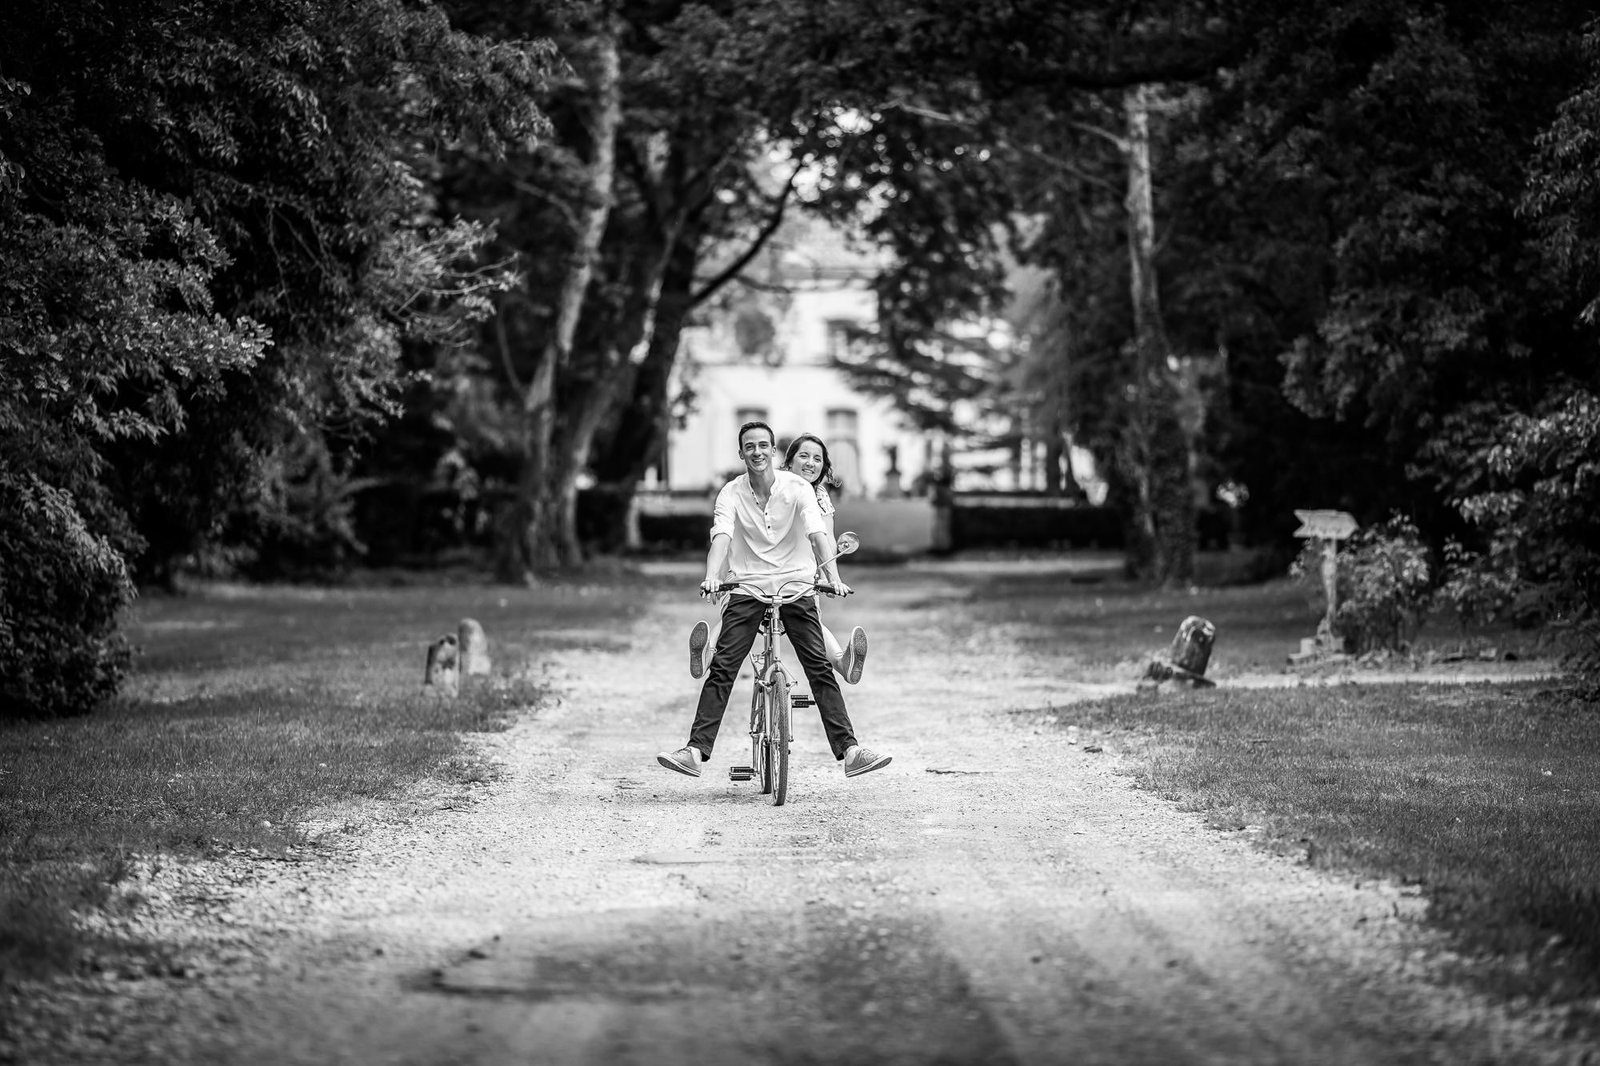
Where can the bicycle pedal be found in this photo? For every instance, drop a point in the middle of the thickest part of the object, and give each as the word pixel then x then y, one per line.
pixel 801 700
pixel 741 773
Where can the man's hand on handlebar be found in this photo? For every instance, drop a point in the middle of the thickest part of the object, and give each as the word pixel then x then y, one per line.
pixel 708 588
pixel 835 587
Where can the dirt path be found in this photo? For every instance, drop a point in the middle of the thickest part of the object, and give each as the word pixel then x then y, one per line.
pixel 997 895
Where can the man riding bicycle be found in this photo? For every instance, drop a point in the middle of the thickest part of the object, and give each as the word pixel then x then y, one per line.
pixel 766 530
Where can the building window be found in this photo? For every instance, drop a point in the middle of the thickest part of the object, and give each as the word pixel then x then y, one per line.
pixel 844 447
pixel 839 330
pixel 755 334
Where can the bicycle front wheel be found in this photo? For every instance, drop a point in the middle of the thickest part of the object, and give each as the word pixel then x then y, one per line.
pixel 778 706
pixel 759 728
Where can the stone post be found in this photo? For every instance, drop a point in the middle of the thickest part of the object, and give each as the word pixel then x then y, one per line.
pixel 442 673
pixel 474 648
pixel 1191 648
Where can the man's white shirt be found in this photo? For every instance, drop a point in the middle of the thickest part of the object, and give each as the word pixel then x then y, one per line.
pixel 769 545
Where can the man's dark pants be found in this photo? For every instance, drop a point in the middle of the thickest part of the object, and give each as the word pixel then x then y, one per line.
pixel 741 620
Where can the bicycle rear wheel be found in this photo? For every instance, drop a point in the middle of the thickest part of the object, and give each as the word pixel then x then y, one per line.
pixel 778 707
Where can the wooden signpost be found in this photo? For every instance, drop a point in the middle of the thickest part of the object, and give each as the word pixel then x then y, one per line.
pixel 1329 527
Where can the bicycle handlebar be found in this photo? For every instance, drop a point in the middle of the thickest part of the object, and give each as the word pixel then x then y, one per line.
pixel 782 597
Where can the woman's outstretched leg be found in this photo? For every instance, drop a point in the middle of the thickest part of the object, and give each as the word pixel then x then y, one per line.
pixel 703 639
pixel 850 659
pixel 702 646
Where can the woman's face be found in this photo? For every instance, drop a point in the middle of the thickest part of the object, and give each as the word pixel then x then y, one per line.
pixel 807 461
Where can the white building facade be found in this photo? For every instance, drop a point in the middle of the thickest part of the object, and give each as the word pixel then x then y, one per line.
pixel 768 356
pixel 768 353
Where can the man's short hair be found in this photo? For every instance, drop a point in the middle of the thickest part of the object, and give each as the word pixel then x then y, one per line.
pixel 748 426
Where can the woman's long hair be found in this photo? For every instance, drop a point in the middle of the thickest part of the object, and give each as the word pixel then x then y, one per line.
pixel 827 478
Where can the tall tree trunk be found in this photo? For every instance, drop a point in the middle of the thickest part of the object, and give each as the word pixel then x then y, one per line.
pixel 640 438
pixel 1054 452
pixel 540 518
pixel 610 372
pixel 1154 451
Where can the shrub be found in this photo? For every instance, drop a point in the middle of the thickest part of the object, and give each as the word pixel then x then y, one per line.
pixel 302 521
pixel 1015 520
pixel 62 587
pixel 1537 512
pixel 1479 591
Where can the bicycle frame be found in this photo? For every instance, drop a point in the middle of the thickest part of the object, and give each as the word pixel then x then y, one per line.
pixel 772 698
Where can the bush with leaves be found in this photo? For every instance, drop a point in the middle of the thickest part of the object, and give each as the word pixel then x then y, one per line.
pixel 1539 514
pixel 1541 509
pixel 61 587
pixel 1482 594
pixel 107 329
pixel 1384 586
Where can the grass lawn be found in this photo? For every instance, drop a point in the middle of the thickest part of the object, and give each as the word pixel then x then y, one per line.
pixel 249 710
pixel 1487 796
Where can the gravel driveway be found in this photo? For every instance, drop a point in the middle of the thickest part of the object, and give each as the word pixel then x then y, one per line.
pixel 998 894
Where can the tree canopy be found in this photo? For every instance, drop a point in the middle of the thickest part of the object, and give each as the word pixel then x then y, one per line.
pixel 1336 255
pixel 215 227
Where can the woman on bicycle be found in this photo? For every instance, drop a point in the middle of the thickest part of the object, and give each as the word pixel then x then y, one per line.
pixel 807 456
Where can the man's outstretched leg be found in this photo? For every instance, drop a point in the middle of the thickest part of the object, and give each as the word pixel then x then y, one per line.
pixel 804 626
pixel 741 620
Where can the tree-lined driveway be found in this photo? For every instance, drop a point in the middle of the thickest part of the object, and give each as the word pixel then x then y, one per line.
pixel 999 894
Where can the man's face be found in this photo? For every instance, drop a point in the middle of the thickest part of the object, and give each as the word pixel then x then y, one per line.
pixel 755 448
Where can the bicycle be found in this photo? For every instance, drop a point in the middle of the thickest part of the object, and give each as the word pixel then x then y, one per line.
pixel 772 701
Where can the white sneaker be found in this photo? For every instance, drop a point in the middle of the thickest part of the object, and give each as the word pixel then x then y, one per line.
pixel 699 637
pixel 684 760
pixel 859 760
pixel 855 656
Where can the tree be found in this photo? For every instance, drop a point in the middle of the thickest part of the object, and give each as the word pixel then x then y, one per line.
pixel 1341 232
pixel 1156 454
pixel 543 517
pixel 1536 500
pixel 688 157
pixel 1408 130
pixel 707 91
pixel 106 328
pixel 1046 123
pixel 213 233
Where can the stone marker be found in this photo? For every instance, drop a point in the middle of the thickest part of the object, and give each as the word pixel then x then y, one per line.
pixel 442 673
pixel 1186 662
pixel 474 648
pixel 1191 648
